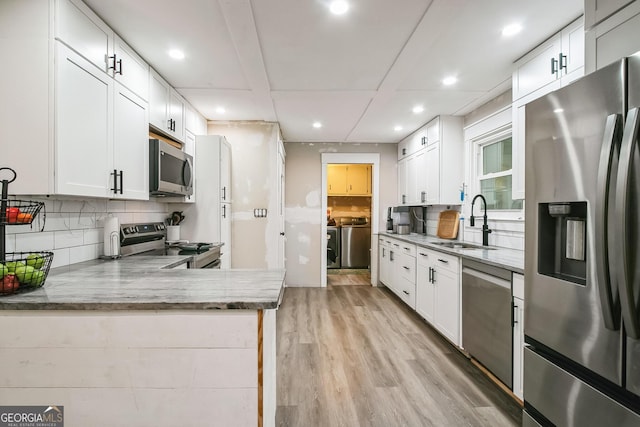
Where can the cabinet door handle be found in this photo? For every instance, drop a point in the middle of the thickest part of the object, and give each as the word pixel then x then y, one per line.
pixel 430 275
pixel 119 67
pixel 115 181
pixel 390 255
pixel 405 292
pixel 121 181
pixel 443 260
pixel 515 314
pixel 554 66
pixel 404 151
pixel 115 61
pixel 383 252
pixel 404 199
pixel 224 211
pixel 224 193
pixel 563 61
pixel 423 196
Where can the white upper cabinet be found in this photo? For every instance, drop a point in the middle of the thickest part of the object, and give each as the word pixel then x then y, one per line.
pixel 433 172
pixel 194 122
pixel 84 32
pixel 166 106
pixel 552 65
pixel 130 145
pixel 561 57
pixel 77 27
pixel 596 11
pixel 129 69
pixel 612 38
pixel 84 122
pixel 84 132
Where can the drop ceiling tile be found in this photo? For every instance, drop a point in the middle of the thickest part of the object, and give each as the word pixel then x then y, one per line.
pixel 239 104
pixel 377 124
pixel 307 48
pixel 337 111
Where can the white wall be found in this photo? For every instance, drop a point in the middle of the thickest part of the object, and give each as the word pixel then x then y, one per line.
pixel 73 227
pixel 253 181
pixel 303 201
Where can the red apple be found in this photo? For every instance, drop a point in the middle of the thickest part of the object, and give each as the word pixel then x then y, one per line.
pixel 12 215
pixel 9 284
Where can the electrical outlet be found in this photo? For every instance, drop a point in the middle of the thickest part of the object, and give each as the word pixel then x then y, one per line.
pixel 260 213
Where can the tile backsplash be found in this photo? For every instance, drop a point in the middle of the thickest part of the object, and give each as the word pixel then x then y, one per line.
pixel 73 228
pixel 505 233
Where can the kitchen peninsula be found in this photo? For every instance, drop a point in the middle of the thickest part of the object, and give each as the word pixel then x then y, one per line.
pixel 134 342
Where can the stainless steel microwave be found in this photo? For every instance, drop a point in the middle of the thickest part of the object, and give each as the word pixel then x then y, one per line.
pixel 170 170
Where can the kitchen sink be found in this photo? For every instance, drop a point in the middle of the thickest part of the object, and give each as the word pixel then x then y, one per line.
pixel 461 245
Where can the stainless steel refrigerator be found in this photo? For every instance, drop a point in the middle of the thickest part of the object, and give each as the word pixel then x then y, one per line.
pixel 582 257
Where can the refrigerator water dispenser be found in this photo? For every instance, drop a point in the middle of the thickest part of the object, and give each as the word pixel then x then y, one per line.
pixel 562 241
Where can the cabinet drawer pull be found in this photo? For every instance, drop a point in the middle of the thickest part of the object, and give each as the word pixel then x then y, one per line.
pixel 406 248
pixel 407 293
pixel 405 267
pixel 396 245
pixel 443 260
pixel 422 254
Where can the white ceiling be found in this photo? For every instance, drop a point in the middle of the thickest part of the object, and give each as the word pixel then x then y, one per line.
pixel 360 74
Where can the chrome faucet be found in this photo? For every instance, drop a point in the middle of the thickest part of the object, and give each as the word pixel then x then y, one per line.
pixel 485 227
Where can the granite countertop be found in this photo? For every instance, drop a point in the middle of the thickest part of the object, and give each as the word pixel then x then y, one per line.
pixel 500 257
pixel 148 283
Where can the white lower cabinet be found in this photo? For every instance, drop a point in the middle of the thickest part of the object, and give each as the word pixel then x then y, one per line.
pixel 398 268
pixel 518 335
pixel 425 302
pixel 438 292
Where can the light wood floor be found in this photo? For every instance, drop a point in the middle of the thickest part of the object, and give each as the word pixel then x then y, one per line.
pixel 356 356
pixel 348 277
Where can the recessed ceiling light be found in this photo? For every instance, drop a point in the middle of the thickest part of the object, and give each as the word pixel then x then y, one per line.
pixel 418 109
pixel 338 7
pixel 397 128
pixel 511 30
pixel 558 110
pixel 221 110
pixel 317 125
pixel 176 54
pixel 448 81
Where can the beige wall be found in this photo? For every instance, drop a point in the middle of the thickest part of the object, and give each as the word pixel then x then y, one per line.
pixel 253 181
pixel 303 193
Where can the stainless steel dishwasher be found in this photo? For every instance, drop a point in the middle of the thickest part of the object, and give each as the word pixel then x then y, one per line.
pixel 487 332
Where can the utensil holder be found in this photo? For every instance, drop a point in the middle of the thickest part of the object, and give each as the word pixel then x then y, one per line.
pixel 173 233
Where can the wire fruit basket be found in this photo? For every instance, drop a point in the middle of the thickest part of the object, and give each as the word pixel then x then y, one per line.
pixel 20 271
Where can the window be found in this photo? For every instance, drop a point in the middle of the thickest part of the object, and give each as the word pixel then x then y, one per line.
pixel 493 171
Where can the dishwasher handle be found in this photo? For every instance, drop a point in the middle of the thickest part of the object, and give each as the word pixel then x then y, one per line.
pixel 487 277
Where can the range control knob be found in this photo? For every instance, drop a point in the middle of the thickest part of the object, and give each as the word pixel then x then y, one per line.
pixel 137 229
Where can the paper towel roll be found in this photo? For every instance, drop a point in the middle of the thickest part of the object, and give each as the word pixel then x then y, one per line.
pixel 111 237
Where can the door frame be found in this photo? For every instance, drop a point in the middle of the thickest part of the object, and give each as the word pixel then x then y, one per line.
pixel 330 158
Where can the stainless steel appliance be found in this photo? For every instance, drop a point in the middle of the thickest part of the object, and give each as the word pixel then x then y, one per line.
pixel 355 242
pixel 582 265
pixel 170 170
pixel 150 239
pixel 333 247
pixel 487 331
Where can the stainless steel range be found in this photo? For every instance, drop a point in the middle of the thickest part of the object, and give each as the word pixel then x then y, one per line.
pixel 150 239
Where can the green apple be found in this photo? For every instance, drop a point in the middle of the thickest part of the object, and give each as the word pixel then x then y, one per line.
pixel 24 273
pixel 35 261
pixel 37 278
pixel 3 270
pixel 12 265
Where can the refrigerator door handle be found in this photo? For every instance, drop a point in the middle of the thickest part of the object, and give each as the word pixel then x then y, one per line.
pixel 624 271
pixel 609 153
